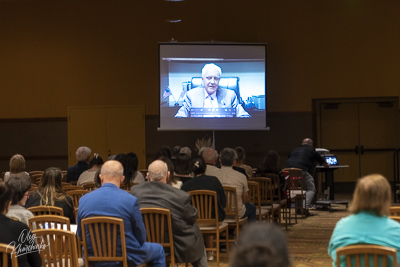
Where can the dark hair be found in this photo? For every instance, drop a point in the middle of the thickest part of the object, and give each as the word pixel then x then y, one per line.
pixel 96 160
pixel 19 186
pixel 127 164
pixel 269 163
pixel 198 165
pixel 50 187
pixel 228 156
pixel 97 181
pixel 241 154
pixel 176 150
pixel 183 164
pixel 261 245
pixel 6 194
pixel 163 152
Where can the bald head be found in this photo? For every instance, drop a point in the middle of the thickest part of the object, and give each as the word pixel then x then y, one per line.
pixel 210 156
pixel 112 172
pixel 307 142
pixel 158 171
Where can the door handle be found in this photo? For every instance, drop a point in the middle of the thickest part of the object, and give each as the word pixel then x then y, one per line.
pixel 362 150
pixel 356 150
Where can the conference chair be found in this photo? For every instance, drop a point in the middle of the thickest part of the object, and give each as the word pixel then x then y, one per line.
pixel 57 247
pixel 254 197
pixel 76 195
pixel 89 186
pixel 294 191
pixel 46 210
pixel 159 230
pixel 366 255
pixel 69 187
pixel 394 211
pixel 104 230
pixel 6 254
pixel 206 204
pixel 35 178
pixel 49 222
pixel 231 210
pixel 396 218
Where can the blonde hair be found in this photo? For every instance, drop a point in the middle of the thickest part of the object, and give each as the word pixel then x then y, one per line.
pixel 372 193
pixel 50 187
pixel 17 164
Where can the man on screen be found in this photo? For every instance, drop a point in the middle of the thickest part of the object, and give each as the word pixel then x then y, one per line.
pixel 210 95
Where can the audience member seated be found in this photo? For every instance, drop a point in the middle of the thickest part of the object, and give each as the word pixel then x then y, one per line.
pixel 137 176
pixel 164 151
pixel 270 165
pixel 88 175
pixel 11 231
pixel 175 152
pixel 20 187
pixel 50 193
pixel 241 158
pixel 82 156
pixel 17 168
pixel 110 200
pixel 369 222
pixel 211 157
pixel 188 239
pixel 173 181
pixel 183 170
pixel 205 182
pixel 261 245
pixel 233 178
pixel 186 150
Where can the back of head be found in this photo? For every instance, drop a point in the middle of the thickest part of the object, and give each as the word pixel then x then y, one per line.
pixel 176 150
pixel 83 153
pixel 270 163
pixel 158 171
pixel 20 186
pixel 171 169
pixel 52 179
pixel 241 153
pixel 307 142
pixel 134 159
pixel 198 165
pixel 228 157
pixel 6 194
pixel 17 164
pixel 210 156
pixel 111 172
pixel 183 164
pixel 372 193
pixel 96 161
pixel 261 245
pixel 186 150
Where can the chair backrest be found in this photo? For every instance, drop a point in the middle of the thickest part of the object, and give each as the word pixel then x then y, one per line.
pixel 6 252
pixel 57 247
pixel 206 204
pixel 70 187
pixel 294 180
pixel 89 186
pixel 394 211
pixel 266 189
pixel 159 229
pixel 363 255
pixel 35 178
pixel 46 210
pixel 49 222
pixel 76 195
pixel 103 233
pixel 254 196
pixel 396 218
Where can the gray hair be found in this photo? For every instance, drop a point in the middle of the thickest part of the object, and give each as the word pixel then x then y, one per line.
pixel 210 66
pixel 210 155
pixel 186 151
pixel 83 153
pixel 228 156
pixel 158 170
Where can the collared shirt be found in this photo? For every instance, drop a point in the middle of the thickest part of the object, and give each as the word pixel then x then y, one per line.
pixel 210 101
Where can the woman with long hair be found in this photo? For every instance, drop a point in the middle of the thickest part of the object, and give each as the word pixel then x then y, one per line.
pixel 17 168
pixel 50 193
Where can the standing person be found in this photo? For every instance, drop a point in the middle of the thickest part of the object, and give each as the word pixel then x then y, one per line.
pixel 50 193
pixel 369 222
pixel 110 200
pixel 17 168
pixel 188 239
pixel 88 175
pixel 20 187
pixel 233 178
pixel 82 156
pixel 11 231
pixel 304 157
pixel 211 95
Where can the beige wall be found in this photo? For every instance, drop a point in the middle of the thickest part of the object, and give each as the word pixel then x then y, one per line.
pixel 56 54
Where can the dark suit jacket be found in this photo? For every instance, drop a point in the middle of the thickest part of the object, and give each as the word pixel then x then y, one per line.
pixel 188 239
pixel 195 99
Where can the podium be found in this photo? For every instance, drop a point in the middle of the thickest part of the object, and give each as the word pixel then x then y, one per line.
pixel 329 185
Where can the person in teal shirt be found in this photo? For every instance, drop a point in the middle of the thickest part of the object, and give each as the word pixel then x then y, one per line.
pixel 369 222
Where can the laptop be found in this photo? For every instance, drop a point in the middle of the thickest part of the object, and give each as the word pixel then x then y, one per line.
pixel 331 160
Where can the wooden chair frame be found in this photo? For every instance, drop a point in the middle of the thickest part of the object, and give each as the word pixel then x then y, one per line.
pixel 206 202
pixel 46 210
pixel 295 191
pixel 6 252
pixel 158 222
pixel 394 211
pixel 76 195
pixel 355 253
pixel 103 232
pixel 57 247
pixel 231 210
pixel 255 198
pixel 89 186
pixel 53 222
pixel 69 187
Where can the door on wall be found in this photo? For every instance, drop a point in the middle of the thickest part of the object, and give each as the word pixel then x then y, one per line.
pixel 363 133
pixel 107 131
